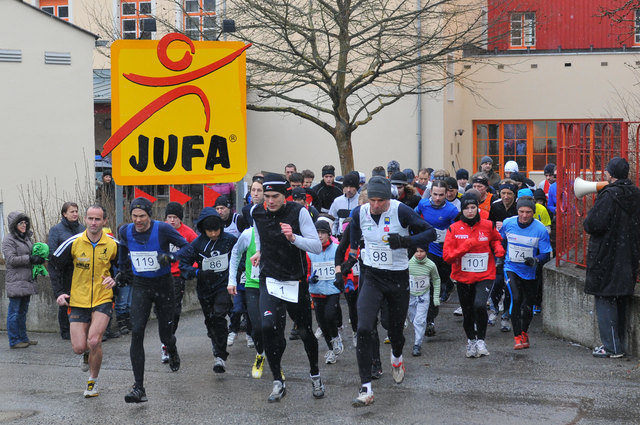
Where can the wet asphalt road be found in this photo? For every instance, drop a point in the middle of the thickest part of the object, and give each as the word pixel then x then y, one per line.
pixel 553 382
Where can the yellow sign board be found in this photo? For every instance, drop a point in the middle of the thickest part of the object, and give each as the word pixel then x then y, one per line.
pixel 178 111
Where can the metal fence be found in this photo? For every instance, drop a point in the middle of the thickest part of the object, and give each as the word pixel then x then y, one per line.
pixel 584 149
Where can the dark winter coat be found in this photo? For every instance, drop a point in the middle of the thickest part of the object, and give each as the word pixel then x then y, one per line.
pixel 614 245
pixel 325 196
pixel 58 234
pixel 16 249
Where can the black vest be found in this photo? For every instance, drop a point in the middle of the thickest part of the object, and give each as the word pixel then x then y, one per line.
pixel 279 258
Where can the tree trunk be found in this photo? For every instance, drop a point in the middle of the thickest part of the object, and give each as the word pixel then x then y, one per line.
pixel 342 136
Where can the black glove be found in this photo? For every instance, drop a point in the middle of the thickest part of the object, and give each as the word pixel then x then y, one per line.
pixel 499 262
pixel 36 259
pixel 346 267
pixel 339 282
pixel 314 279
pixel 166 259
pixel 396 241
pixel 530 261
pixel 121 280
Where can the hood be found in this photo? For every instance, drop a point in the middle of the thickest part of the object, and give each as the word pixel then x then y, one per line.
pixel 626 194
pixel 206 212
pixel 14 218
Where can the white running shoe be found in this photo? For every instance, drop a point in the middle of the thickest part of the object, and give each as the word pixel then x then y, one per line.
pixel 84 366
pixel 365 398
pixel 398 371
pixel 92 389
pixel 355 340
pixel 164 354
pixel 318 333
pixel 279 391
pixel 457 311
pixel 250 342
pixel 472 348
pixel 481 348
pixel 337 345
pixel 493 317
pixel 504 325
pixel 231 338
pixel 219 366
pixel 330 357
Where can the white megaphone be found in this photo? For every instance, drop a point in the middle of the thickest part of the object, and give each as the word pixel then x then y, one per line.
pixel 582 187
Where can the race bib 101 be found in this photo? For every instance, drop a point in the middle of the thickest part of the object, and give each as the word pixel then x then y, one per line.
pixel 475 262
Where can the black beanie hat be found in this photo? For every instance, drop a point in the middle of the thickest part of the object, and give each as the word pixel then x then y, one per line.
pixel 539 194
pixel 275 183
pixel 328 169
pixel 618 168
pixel 550 168
pixel 212 222
pixel 379 187
pixel 299 193
pixel 480 178
pixel 174 208
pixel 393 166
pixel 223 200
pixel 323 226
pixel 526 201
pixel 142 203
pixel 399 178
pixel 451 182
pixel 351 180
pixel 467 199
pixel 462 174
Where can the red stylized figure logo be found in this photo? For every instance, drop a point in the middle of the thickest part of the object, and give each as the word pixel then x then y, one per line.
pixel 145 113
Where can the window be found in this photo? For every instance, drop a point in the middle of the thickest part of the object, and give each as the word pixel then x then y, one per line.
pixel 544 143
pixel 200 19
pixel 523 30
pixel 59 8
pixel 131 15
pixel 511 141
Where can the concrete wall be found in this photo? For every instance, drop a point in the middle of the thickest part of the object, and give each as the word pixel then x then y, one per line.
pixel 43 310
pixel 569 313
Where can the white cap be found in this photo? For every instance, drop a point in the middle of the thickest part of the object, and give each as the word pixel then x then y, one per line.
pixel 511 167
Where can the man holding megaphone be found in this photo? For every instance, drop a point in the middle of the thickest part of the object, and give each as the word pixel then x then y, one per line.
pixel 614 253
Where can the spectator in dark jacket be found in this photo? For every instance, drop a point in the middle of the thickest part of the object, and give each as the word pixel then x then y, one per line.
pixel 614 253
pixel 20 284
pixel 326 191
pixel 69 225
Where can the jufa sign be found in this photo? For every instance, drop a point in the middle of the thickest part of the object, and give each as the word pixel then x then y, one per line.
pixel 178 110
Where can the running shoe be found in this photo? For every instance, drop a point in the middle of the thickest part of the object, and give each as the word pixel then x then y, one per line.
pixel 92 389
pixel 164 354
pixel 602 353
pixel 457 311
pixel 481 348
pixel 33 342
pixel 231 338
pixel 258 367
pixel 355 340
pixel 525 340
pixel 504 325
pixel 387 340
pixel 318 333
pixel 493 317
pixel 376 370
pixel 398 371
pixel 536 309
pixel 472 348
pixel 317 387
pixel 365 398
pixel 174 359
pixel 250 343
pixel 417 351
pixel 218 366
pixel 294 335
pixel 337 345
pixel 137 395
pixel 330 357
pixel 279 390
pixel 518 345
pixel 431 329
pixel 84 366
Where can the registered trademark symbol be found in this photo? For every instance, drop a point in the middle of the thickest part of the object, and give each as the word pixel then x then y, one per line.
pixel 233 138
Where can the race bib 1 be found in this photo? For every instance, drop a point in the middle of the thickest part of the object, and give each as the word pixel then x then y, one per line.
pixel 475 262
pixel 356 269
pixel 325 270
pixel 419 283
pixel 379 255
pixel 517 253
pixel 286 290
pixel 145 261
pixel 219 263
pixel 441 235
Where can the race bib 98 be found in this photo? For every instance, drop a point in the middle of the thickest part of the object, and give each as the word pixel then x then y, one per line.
pixel 380 255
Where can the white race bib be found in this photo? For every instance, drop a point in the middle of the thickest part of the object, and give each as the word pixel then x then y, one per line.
pixel 418 283
pixel 255 272
pixel 219 263
pixel 356 269
pixel 286 290
pixel 518 253
pixel 243 278
pixel 475 262
pixel 441 235
pixel 145 261
pixel 380 255
pixel 325 270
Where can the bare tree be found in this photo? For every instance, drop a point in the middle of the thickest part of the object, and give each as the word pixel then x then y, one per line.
pixel 339 63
